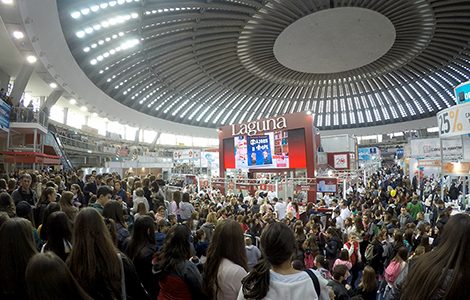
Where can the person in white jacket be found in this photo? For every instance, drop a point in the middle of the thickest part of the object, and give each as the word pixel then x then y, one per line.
pixel 138 199
pixel 273 277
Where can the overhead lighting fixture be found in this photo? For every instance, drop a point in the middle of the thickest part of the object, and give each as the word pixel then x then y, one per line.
pixel 94 114
pixel 18 34
pixel 7 1
pixel 83 108
pixel 106 119
pixel 53 85
pixel 309 113
pixel 81 34
pixel 75 15
pixel 31 59
pixel 73 101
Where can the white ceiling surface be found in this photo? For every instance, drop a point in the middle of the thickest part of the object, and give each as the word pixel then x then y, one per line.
pixel 335 40
pixel 45 26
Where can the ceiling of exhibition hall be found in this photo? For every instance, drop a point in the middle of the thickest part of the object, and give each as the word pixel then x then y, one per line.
pixel 352 63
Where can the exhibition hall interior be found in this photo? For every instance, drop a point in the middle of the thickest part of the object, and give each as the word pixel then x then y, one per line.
pixel 337 118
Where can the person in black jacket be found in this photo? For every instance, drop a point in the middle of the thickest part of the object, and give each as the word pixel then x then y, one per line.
pixel 142 248
pixel 332 246
pixel 377 262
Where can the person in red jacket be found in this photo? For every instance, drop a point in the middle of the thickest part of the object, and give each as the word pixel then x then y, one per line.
pixel 352 245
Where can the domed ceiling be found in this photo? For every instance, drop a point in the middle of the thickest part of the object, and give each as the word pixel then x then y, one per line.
pixel 214 63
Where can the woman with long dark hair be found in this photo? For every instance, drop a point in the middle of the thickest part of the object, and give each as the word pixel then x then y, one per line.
pixel 42 229
pixel 7 205
pixel 331 246
pixel 181 279
pixel 47 196
pixel 274 275
pixel 79 199
pixel 175 205
pixel 142 248
pixel 113 210
pixel 96 263
pixel 48 278
pixel 443 273
pixel 16 248
pixel 59 235
pixel 368 286
pixel 226 263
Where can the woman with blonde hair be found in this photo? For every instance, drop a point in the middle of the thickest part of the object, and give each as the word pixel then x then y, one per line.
pixel 209 226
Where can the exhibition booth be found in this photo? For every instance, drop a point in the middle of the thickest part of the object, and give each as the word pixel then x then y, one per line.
pixel 277 154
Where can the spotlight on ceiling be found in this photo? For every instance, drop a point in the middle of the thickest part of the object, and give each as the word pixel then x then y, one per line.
pixel 31 59
pixel 94 114
pixel 53 85
pixel 73 101
pixel 309 112
pixel 83 108
pixel 18 34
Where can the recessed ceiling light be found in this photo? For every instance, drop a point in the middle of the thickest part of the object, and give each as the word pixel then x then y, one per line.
pixel 53 85
pixel 83 108
pixel 105 119
pixel 18 34
pixel 73 101
pixel 94 114
pixel 81 34
pixel 85 11
pixel 7 1
pixel 75 14
pixel 31 59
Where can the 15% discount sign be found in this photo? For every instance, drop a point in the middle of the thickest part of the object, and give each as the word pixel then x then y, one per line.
pixel 454 120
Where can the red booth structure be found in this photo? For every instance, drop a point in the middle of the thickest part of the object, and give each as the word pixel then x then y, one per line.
pixel 279 144
pixel 30 158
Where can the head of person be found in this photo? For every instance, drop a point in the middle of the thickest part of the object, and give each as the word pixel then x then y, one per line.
pixel 117 186
pixel 16 248
pixel 66 200
pixel 98 178
pixel 176 248
pixel 211 218
pixel 277 244
pixel 143 235
pixel 48 277
pixel 185 197
pixel 75 189
pixel 26 181
pixel 403 211
pixel 340 273
pixel 103 195
pixel 58 233
pixel 7 205
pixel 113 210
pixel 226 230
pixel 93 260
pixel 368 281
pixel 429 272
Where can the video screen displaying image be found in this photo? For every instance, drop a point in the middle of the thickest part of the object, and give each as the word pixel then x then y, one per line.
pixel 269 150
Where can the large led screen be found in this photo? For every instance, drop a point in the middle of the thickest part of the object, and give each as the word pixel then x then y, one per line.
pixel 271 150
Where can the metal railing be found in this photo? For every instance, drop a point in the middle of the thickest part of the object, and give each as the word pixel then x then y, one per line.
pixel 29 115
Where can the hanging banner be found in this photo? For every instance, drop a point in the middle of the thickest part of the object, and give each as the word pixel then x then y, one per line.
pixel 341 161
pixel 431 147
pixel 454 120
pixel 5 111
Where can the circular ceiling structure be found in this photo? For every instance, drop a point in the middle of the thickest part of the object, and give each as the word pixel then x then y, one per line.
pixel 334 40
pixel 213 63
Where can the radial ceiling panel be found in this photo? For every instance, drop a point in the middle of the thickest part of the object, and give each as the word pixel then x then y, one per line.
pixel 213 63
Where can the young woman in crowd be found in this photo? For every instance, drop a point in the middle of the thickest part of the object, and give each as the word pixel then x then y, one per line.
pixel 79 199
pixel 16 248
pixel 274 275
pixel 368 286
pixel 48 278
pixel 186 208
pixel 59 235
pixel 47 196
pixel 175 205
pixel 142 249
pixel 209 226
pixel 181 279
pixel 100 275
pixel 113 210
pixel 226 263
pixel 331 246
pixel 66 205
pixel 311 251
pixel 7 205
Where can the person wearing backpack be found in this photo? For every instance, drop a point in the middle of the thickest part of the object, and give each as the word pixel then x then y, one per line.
pixel 332 246
pixel 375 251
pixel 397 264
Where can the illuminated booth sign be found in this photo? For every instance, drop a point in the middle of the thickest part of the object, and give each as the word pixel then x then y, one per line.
pixel 284 142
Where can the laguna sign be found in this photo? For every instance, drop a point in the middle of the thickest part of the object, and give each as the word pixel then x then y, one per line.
pixel 256 127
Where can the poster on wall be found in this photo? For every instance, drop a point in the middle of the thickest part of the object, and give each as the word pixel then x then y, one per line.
pixel 259 150
pixel 431 147
pixel 4 116
pixel 269 150
pixel 426 168
pixel 341 161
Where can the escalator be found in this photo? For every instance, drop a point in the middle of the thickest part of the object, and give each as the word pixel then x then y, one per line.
pixel 53 141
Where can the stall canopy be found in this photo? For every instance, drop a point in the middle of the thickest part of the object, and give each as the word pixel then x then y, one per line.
pixel 30 158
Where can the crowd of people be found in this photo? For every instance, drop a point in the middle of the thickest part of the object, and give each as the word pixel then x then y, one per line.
pixel 64 235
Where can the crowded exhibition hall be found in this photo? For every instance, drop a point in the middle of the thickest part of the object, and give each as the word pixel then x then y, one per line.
pixel 234 149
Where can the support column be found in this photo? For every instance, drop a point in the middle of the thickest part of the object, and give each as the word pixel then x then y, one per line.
pixel 154 142
pixel 136 138
pixel 21 81
pixel 42 100
pixel 66 112
pixel 52 99
pixel 87 118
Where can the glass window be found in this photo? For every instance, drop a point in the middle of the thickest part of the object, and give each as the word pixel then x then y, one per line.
pixel 167 139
